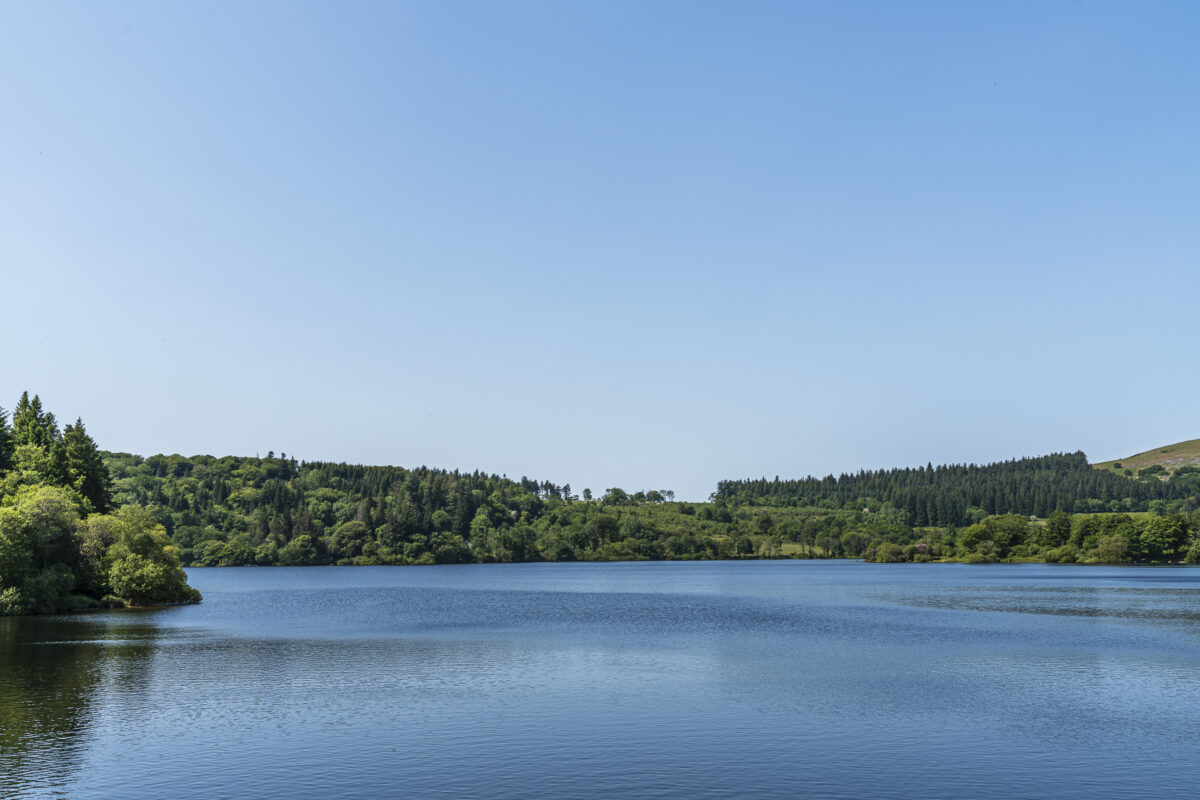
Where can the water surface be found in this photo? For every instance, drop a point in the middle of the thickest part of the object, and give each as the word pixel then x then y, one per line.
pixel 651 680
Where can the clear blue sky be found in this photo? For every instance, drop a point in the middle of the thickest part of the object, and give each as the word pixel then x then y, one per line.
pixel 645 244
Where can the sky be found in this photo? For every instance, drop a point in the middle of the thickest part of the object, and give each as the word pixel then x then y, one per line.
pixel 639 244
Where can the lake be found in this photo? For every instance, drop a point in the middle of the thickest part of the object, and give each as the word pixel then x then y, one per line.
pixel 763 679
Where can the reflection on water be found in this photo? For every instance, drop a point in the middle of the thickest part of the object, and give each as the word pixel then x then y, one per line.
pixel 51 669
pixel 677 680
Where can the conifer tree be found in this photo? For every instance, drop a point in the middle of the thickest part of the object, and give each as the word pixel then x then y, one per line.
pixel 77 464
pixel 6 442
pixel 31 425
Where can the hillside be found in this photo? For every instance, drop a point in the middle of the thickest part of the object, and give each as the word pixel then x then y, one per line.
pixel 958 494
pixel 1170 458
pixel 232 511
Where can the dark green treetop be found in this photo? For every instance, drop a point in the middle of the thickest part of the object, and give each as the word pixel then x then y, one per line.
pixel 32 425
pixel 6 441
pixel 76 462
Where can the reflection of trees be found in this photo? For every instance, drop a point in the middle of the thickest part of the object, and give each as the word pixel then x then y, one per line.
pixel 49 672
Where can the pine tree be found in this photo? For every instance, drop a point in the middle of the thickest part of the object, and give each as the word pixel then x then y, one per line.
pixel 31 425
pixel 75 462
pixel 6 442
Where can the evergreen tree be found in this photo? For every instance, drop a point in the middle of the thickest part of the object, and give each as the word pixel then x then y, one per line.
pixel 31 425
pixel 77 463
pixel 6 442
pixel 943 495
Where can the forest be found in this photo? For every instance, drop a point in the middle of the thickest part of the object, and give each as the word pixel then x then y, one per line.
pixel 81 526
pixel 63 544
pixel 961 494
pixel 277 510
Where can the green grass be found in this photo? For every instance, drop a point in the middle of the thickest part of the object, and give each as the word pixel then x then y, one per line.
pixel 1171 457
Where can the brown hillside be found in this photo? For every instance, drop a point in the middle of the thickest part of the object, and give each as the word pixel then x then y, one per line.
pixel 1171 457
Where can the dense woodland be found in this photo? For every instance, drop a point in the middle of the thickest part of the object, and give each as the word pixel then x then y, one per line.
pixel 275 510
pixel 79 523
pixel 962 494
pixel 60 548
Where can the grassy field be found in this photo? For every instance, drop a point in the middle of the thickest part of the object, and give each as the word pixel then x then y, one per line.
pixel 1171 457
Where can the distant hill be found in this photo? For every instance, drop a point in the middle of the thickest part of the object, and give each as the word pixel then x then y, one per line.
pixel 1170 458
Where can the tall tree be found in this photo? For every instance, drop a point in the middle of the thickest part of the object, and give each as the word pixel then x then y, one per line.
pixel 6 442
pixel 31 425
pixel 76 463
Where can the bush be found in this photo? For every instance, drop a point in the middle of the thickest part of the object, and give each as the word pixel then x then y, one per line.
pixel 1067 554
pixel 12 603
pixel 81 602
pixel 141 582
pixel 889 553
pixel 299 552
pixel 48 591
pixel 1112 549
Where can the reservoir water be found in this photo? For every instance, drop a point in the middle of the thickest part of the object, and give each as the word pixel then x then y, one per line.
pixel 650 680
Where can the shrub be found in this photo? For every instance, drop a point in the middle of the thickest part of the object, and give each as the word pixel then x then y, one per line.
pixel 141 582
pixel 12 603
pixel 47 592
pixel 1067 554
pixel 889 553
pixel 1112 549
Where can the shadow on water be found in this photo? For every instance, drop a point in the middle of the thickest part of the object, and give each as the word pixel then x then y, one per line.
pixel 51 669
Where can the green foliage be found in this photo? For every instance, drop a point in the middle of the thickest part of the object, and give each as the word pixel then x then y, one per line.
pixel 32 425
pixel 37 531
pixel 77 463
pixel 49 590
pixel 889 553
pixel 225 511
pixel 6 442
pixel 299 552
pixel 995 535
pixel 51 560
pixel 232 511
pixel 1112 550
pixel 12 602
pixel 1164 538
pixel 47 554
pixel 140 580
pixel 1056 531
pixel 1066 554
pixel 964 494
pixel 35 452
pixel 350 538
pixel 40 558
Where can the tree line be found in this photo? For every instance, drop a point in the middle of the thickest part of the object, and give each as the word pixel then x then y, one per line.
pixel 277 510
pixel 961 494
pixel 1061 538
pixel 232 511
